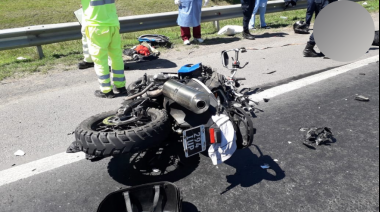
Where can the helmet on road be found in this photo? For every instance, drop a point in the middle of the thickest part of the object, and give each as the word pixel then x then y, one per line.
pixel 300 27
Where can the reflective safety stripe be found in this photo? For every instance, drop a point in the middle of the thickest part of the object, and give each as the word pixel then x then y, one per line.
pixel 118 71
pixel 101 2
pixel 104 77
pixel 115 79
pixel 105 84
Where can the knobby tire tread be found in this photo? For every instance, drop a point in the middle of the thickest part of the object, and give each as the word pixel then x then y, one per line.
pixel 121 142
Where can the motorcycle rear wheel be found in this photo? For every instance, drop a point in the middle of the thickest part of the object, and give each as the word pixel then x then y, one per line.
pixel 99 140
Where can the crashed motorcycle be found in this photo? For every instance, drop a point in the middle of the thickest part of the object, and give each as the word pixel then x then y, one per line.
pixel 173 108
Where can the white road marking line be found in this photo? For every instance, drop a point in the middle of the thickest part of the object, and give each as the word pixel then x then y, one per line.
pixel 39 166
pixel 55 161
pixel 276 91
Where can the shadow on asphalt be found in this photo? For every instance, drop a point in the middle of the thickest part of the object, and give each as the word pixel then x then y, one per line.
pixel 150 63
pixel 188 207
pixel 249 171
pixel 136 169
pixel 214 41
pixel 271 35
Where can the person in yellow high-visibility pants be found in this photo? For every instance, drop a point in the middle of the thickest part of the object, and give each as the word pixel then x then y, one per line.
pixel 102 31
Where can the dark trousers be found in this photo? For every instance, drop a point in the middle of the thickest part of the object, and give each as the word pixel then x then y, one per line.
pixel 247 6
pixel 311 9
pixel 186 34
pixel 319 7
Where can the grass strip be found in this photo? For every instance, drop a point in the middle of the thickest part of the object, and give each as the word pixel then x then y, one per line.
pixel 65 55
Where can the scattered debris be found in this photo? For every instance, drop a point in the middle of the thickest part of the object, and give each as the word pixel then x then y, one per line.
pixel 283 17
pixel 362 98
pixel 71 133
pixel 275 160
pixel 272 72
pixel 265 166
pixel 19 153
pixel 34 170
pixel 304 129
pixel 266 100
pixel 362 74
pixel 230 30
pixel 191 52
pixel 319 135
pixel 365 3
pixel 140 52
pixel 74 147
pixel 155 40
pixel 21 58
pixel 13 164
pixel 289 142
pixel 93 158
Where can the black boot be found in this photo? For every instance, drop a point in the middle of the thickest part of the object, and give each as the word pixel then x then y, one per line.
pixel 108 95
pixel 309 51
pixel 84 65
pixel 248 35
pixel 122 91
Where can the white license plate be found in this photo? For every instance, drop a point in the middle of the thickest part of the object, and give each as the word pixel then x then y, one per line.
pixel 194 141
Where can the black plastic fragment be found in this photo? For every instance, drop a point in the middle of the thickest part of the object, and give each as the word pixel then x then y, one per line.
pixel 94 158
pixel 319 135
pixel 74 147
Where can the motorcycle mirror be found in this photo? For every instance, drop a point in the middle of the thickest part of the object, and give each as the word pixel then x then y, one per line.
pixel 225 59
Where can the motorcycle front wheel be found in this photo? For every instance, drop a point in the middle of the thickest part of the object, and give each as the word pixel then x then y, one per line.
pixel 98 138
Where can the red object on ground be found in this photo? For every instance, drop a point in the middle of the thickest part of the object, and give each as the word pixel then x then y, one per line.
pixel 140 49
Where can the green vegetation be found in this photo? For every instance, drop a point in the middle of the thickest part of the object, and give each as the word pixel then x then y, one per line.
pixel 22 13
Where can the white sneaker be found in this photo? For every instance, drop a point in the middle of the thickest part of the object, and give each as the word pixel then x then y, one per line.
pixel 200 40
pixel 186 42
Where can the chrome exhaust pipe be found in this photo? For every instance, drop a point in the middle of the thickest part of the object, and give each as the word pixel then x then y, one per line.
pixel 188 97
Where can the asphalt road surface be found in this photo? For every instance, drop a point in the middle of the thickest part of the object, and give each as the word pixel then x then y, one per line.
pixel 339 176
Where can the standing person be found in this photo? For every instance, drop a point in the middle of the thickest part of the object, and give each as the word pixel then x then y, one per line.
pixel 311 9
pixel 262 6
pixel 247 7
pixel 190 16
pixel 102 32
pixel 87 61
pixel 309 49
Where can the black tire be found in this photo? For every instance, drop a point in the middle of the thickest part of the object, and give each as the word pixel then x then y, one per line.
pixel 122 141
pixel 172 165
pixel 245 131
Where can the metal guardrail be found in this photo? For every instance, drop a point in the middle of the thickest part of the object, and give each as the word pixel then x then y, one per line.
pixel 54 33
